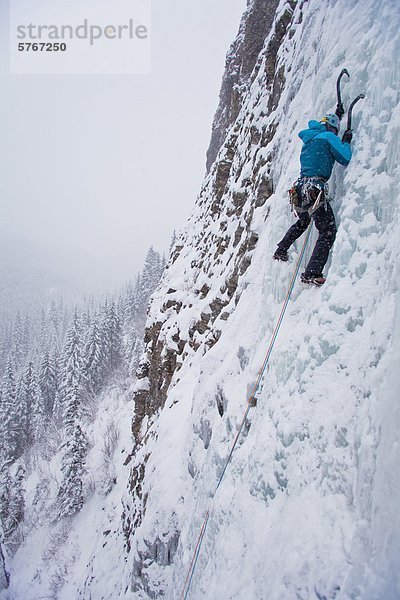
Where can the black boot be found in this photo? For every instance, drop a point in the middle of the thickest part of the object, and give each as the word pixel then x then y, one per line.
pixel 281 255
pixel 316 280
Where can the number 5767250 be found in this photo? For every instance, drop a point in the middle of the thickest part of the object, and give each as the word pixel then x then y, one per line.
pixel 42 47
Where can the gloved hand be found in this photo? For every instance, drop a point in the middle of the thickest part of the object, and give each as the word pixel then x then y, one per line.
pixel 339 111
pixel 347 136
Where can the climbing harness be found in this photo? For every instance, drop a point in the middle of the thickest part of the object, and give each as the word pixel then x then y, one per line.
pixel 307 194
pixel 250 403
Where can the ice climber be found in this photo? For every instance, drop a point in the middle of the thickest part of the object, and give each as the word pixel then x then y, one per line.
pixel 309 195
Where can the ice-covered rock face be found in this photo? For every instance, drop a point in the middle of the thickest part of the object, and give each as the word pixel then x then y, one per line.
pixel 201 286
pixel 303 508
pixel 240 62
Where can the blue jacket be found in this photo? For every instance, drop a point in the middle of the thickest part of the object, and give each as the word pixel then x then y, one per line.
pixel 321 148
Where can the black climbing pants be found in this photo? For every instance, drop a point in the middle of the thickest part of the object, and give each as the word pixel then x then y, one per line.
pixel 324 220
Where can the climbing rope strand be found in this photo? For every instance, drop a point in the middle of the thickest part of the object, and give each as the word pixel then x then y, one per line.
pixel 192 567
pixel 267 356
pixel 191 570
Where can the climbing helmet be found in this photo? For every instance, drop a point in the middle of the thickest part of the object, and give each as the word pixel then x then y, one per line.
pixel 331 120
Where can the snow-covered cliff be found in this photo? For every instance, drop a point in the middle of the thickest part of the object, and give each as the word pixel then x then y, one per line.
pixel 307 508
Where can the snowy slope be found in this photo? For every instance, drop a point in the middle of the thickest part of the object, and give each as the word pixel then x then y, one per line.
pixel 307 509
pixel 81 556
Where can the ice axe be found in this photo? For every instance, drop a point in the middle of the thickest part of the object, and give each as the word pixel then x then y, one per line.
pixel 340 109
pixel 350 111
pixel 338 93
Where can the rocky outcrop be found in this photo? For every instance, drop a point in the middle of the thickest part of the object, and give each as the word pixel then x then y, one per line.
pixel 222 249
pixel 205 276
pixel 160 552
pixel 240 62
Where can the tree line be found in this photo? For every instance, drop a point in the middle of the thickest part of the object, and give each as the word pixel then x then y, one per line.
pixel 53 368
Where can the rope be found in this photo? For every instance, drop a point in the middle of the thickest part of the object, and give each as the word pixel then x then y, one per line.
pixel 193 563
pixel 192 567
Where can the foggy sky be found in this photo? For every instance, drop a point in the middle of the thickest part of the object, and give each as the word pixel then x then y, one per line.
pixel 95 169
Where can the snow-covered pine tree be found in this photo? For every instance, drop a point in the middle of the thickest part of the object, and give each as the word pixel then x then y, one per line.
pixel 4 575
pixel 55 325
pixel 26 338
pixel 70 493
pixel 71 374
pixel 111 339
pixel 44 332
pixel 31 416
pixel 5 496
pixel 86 322
pixel 23 409
pixel 151 275
pixel 16 505
pixel 120 304
pixel 104 337
pixel 47 382
pixel 17 344
pixel 39 417
pixel 9 429
pixel 60 320
pixel 152 272
pixel 5 345
pixel 93 357
pixel 131 310
pixel 12 500
pixel 137 301
pixel 114 337
pixel 124 304
pixel 74 448
pixel 131 306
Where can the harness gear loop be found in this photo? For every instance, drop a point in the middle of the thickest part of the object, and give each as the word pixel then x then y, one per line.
pixel 307 194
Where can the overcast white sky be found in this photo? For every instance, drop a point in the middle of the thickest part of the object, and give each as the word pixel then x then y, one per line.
pixel 99 167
